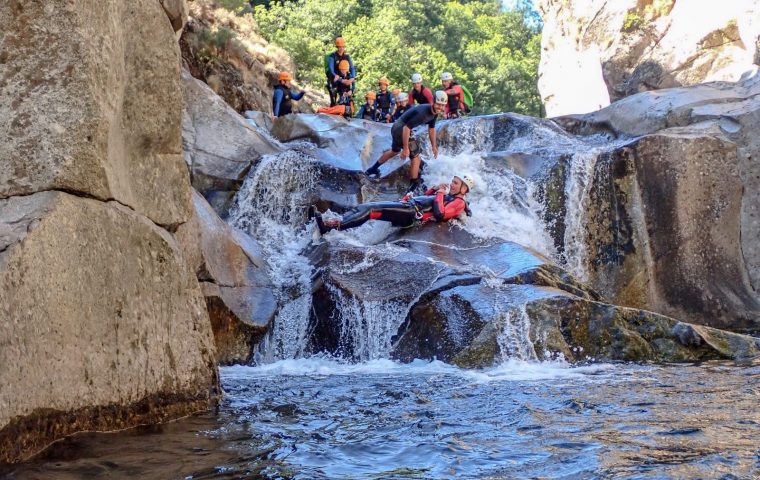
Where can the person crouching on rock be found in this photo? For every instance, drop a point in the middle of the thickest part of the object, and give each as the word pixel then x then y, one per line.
pixel 439 204
pixel 343 87
pixel 283 96
pixel 401 133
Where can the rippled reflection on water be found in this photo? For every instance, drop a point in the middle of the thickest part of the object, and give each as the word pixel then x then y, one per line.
pixel 312 419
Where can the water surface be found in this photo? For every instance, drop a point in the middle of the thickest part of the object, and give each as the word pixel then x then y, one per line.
pixel 319 419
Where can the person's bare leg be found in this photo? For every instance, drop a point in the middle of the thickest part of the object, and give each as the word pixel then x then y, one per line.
pixel 414 171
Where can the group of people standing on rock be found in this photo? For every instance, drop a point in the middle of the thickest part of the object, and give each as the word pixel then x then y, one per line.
pixel 405 111
pixel 383 105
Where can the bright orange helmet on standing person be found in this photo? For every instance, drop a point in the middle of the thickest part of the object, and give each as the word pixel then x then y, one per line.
pixel 340 42
pixel 285 77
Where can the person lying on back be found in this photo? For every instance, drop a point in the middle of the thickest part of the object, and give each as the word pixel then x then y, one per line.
pixel 439 204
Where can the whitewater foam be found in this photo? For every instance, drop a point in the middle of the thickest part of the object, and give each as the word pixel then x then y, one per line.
pixel 510 370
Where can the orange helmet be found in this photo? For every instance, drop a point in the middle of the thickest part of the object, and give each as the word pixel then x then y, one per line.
pixel 285 77
pixel 383 80
pixel 343 66
pixel 340 42
pixel 370 95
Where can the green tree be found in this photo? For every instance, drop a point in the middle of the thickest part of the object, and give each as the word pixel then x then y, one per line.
pixel 492 51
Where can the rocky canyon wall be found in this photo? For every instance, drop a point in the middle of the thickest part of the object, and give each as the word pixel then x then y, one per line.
pixel 102 321
pixel 595 52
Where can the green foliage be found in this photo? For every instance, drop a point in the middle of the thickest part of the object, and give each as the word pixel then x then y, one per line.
pixel 217 43
pixel 493 52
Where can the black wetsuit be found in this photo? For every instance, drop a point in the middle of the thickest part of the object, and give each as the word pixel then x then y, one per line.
pixel 413 117
pixel 405 214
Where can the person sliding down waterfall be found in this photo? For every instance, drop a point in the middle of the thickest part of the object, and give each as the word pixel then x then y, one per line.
pixel 439 204
pixel 401 132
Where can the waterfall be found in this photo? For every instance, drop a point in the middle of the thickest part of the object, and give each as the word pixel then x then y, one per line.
pixel 271 206
pixel 577 186
pixel 273 201
pixel 514 336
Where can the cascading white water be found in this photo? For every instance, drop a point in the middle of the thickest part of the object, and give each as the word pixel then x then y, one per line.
pixel 577 186
pixel 271 206
pixel 514 336
pixel 273 202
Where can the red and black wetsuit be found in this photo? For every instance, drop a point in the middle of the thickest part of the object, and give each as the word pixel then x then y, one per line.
pixel 423 96
pixel 427 208
pixel 455 104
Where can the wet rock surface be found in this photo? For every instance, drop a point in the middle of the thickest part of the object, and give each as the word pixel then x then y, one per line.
pixel 220 146
pixel 239 294
pixel 667 187
pixel 99 312
pixel 438 292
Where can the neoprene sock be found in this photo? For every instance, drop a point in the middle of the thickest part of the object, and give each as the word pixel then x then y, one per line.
pixel 373 170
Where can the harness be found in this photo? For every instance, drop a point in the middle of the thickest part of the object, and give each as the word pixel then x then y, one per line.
pixel 369 112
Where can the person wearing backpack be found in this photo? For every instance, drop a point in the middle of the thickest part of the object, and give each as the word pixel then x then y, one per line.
pixel 332 61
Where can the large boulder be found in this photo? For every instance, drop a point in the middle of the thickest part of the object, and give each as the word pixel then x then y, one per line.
pixel 220 146
pixel 654 200
pixel 103 323
pixel 438 292
pixel 676 208
pixel 89 103
pixel 239 294
pixel 610 50
pixel 344 144
pixel 476 326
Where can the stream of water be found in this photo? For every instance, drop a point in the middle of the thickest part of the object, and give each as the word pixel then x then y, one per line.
pixel 293 415
pixel 321 419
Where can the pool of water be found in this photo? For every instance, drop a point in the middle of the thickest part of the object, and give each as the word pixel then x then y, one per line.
pixel 321 419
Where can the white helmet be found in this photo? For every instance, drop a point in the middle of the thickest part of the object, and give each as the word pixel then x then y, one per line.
pixel 447 76
pixel 441 98
pixel 416 78
pixel 403 97
pixel 467 180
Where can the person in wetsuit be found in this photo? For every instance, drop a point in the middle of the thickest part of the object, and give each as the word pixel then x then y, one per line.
pixel 402 143
pixel 344 106
pixel 385 104
pixel 439 204
pixel 333 63
pixel 402 105
pixel 368 111
pixel 283 95
pixel 455 104
pixel 419 92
